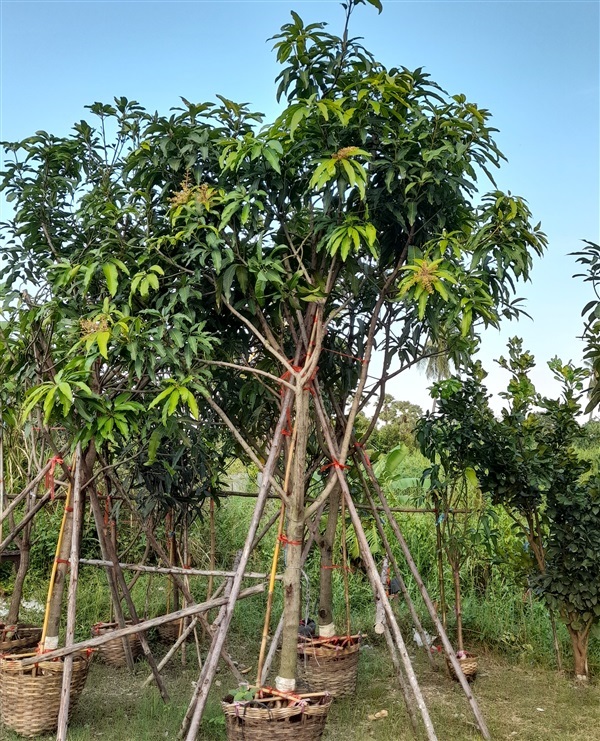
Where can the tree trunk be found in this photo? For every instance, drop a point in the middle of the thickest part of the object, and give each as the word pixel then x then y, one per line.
pixel 286 681
pixel 54 603
pixel 579 642
pixel 326 543
pixel 24 555
pixel 457 605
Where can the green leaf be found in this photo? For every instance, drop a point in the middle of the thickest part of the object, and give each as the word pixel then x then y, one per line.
pixel 471 476
pixel 154 442
pixel 376 4
pixel 193 405
pixel 65 391
pixel 110 273
pixel 102 339
pixel 228 276
pixel 412 212
pixel 163 395
pixel 272 159
pixel 171 406
pixel 299 114
pixel 228 212
pixel 49 403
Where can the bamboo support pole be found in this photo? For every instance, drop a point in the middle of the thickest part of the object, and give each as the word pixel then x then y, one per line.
pixel 372 573
pixel 21 496
pixel 267 621
pixel 213 546
pixel 271 652
pixel 111 551
pixel 426 598
pixel 193 717
pixel 345 564
pixel 271 521
pixel 145 625
pixel 379 626
pixel 218 620
pixel 275 560
pixel 161 553
pixel 65 695
pixel 2 480
pixel 404 688
pixel 405 510
pixel 171 652
pixel 25 521
pixel 440 568
pixel 170 569
pixel 390 556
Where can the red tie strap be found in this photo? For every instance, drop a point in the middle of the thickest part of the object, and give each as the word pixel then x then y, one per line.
pixel 334 464
pixel 283 539
pixel 50 474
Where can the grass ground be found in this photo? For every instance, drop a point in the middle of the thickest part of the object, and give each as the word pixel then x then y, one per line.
pixel 521 703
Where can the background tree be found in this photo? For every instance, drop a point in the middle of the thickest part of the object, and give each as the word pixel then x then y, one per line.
pixel 589 258
pixel 527 462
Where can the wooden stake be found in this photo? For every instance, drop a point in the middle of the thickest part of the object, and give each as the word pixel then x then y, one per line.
pixel 274 561
pixel 112 580
pixel 404 688
pixel 27 519
pixel 277 635
pixel 379 626
pixel 169 569
pixel 56 587
pixel 213 547
pixel 161 553
pixel 165 660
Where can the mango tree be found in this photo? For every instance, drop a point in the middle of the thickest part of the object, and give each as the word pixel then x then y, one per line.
pixel 251 267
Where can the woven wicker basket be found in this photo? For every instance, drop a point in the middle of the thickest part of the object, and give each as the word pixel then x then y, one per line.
pixel 112 652
pixel 330 666
pixel 31 695
pixel 468 664
pixel 252 721
pixel 21 635
pixel 170 632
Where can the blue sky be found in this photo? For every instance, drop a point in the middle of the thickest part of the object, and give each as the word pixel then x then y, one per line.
pixel 535 65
